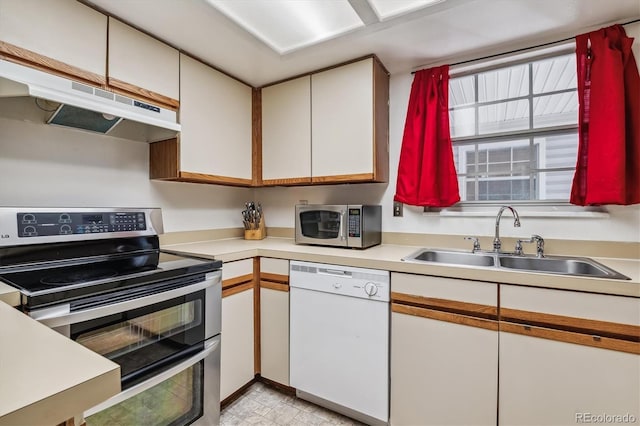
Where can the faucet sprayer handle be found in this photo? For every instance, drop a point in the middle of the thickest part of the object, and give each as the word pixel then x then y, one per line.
pixel 539 244
pixel 476 243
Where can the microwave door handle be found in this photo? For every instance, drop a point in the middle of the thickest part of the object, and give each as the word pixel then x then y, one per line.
pixel 210 346
pixel 343 225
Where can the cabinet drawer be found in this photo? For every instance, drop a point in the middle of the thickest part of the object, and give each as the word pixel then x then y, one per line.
pixel 475 292
pixel 237 277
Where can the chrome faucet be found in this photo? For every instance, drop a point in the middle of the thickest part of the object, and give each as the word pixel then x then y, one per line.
pixel 497 244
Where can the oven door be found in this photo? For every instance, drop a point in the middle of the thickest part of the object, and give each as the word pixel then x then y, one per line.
pixel 179 395
pixel 146 334
pixel 321 224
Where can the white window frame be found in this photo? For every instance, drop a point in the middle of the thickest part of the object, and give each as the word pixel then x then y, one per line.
pixel 532 208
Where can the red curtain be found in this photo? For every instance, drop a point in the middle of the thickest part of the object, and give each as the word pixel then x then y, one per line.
pixel 426 172
pixel 608 166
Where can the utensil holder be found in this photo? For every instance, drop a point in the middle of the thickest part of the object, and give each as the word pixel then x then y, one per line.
pixel 256 234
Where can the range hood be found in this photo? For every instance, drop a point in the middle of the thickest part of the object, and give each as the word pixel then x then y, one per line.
pixel 32 95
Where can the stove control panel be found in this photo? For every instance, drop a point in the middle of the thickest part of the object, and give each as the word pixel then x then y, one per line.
pixel 60 223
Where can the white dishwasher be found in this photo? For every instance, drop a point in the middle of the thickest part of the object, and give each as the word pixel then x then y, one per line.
pixel 339 338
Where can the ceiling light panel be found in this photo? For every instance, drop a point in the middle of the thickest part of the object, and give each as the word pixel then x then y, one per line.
pixel 287 25
pixel 386 9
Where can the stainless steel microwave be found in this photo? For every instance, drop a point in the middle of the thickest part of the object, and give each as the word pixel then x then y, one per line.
pixel 342 225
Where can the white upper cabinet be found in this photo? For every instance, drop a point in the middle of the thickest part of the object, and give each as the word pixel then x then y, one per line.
pixel 216 118
pixel 349 123
pixel 286 132
pixel 59 35
pixel 142 65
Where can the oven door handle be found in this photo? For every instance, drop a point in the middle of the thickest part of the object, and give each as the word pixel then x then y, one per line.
pixel 210 346
pixel 61 315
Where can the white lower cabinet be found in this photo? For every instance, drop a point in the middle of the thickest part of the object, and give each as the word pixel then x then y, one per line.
pixel 444 365
pixel 546 382
pixel 442 373
pixel 237 366
pixel 274 319
pixel 274 335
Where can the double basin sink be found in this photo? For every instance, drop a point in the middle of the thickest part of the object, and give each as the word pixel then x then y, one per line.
pixel 573 266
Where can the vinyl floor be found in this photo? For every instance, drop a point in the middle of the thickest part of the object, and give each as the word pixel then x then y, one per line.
pixel 264 405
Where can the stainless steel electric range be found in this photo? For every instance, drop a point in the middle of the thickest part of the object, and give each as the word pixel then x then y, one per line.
pixel 98 276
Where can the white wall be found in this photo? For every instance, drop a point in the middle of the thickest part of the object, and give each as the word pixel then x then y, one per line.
pixel 47 166
pixel 622 224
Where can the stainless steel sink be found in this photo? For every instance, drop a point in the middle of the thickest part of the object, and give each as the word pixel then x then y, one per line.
pixel 452 257
pixel 573 266
pixel 560 265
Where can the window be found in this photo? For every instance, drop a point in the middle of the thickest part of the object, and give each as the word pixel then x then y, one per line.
pixel 514 131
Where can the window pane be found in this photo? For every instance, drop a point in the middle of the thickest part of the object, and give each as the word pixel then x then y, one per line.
pixel 554 74
pixel 462 122
pixel 504 83
pixel 555 185
pixel 555 110
pixel 558 151
pixel 461 91
pixel 503 117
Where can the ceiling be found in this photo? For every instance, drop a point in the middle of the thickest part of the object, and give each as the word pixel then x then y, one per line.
pixel 446 32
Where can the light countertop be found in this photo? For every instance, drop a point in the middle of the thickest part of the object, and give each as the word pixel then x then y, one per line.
pixel 9 294
pixel 387 257
pixel 46 378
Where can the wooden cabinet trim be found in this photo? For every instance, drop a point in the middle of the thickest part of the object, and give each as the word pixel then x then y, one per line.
pixel 237 289
pixel 380 122
pixel 257 335
pixel 452 306
pixel 286 181
pixel 232 282
pixel 164 159
pixel 445 316
pixel 278 278
pixel 256 136
pixel 213 179
pixel 577 325
pixel 131 90
pixel 35 60
pixel 274 286
pixel 354 178
pixel 595 341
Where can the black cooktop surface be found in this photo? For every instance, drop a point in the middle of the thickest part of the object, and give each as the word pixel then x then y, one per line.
pixel 54 282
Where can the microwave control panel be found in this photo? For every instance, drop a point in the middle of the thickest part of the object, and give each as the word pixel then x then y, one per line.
pixel 61 223
pixel 354 223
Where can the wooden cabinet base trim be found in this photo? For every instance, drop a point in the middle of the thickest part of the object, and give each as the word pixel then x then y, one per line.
pixel 278 278
pixel 287 181
pixel 452 306
pixel 571 337
pixel 130 90
pixel 212 179
pixel 578 325
pixel 283 388
pixel 237 289
pixel 274 286
pixel 31 59
pixel 445 316
pixel 237 394
pixel 360 177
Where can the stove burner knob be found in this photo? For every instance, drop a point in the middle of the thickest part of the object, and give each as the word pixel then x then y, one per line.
pixel 371 289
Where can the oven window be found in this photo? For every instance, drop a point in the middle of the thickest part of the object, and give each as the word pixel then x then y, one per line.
pixel 175 401
pixel 146 339
pixel 320 224
pixel 135 333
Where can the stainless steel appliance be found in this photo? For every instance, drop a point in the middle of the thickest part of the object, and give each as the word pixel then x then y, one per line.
pixel 356 226
pixel 339 338
pixel 98 277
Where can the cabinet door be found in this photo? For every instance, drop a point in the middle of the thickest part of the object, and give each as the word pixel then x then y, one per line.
pixel 444 365
pixel 442 373
pixel 58 35
pixel 143 66
pixel 286 132
pixel 348 106
pixel 545 382
pixel 215 114
pixel 274 319
pixel 237 341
